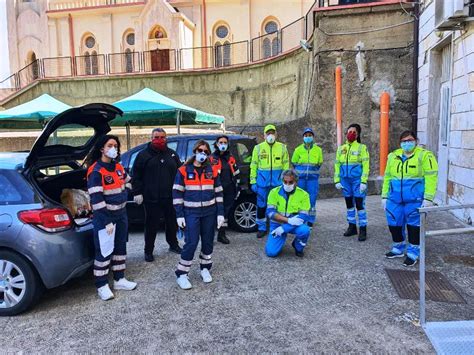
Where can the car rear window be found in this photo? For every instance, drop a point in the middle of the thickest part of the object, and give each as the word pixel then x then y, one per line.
pixel 14 190
pixel 192 142
pixel 172 145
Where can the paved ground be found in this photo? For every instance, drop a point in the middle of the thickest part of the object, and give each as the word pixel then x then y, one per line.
pixel 337 299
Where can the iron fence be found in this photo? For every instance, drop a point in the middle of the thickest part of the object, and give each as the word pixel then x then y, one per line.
pixel 28 74
pixel 8 86
pixel 120 63
pixel 86 65
pixel 292 34
pixel 196 58
pixel 266 46
pixel 329 3
pixel 159 60
pixel 57 67
pixel 230 54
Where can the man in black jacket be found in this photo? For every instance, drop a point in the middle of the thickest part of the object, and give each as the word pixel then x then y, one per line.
pixel 153 174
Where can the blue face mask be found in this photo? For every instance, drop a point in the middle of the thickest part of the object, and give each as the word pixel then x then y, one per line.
pixel 308 140
pixel 408 146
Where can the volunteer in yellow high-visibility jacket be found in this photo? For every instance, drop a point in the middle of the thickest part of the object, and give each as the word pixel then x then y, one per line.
pixel 409 183
pixel 307 159
pixel 351 172
pixel 269 160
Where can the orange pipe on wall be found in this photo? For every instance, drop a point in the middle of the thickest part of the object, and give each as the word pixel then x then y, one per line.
pixel 384 122
pixel 339 105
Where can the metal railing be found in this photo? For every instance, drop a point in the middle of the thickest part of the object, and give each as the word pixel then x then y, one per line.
pixel 423 234
pixel 79 4
pixel 329 3
pixel 216 57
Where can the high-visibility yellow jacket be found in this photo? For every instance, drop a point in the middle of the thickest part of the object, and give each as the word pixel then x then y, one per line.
pixel 268 162
pixel 352 161
pixel 292 204
pixel 410 179
pixel 307 161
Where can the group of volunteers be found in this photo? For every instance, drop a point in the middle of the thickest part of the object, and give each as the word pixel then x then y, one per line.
pixel 197 196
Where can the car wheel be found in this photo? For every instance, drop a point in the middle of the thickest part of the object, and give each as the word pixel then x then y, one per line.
pixel 20 286
pixel 243 215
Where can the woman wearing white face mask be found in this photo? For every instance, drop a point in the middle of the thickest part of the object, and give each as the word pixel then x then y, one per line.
pixel 197 198
pixel 108 185
pixel 225 165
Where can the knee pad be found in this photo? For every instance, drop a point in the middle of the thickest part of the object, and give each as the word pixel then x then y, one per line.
pixel 261 212
pixel 397 234
pixel 349 202
pixel 359 203
pixel 413 234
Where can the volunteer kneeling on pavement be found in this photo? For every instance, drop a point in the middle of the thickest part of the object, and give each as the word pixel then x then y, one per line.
pixel 409 183
pixel 108 185
pixel 288 210
pixel 199 204
pixel 269 159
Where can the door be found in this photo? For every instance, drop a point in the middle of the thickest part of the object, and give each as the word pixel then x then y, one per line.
pixel 160 60
pixel 444 121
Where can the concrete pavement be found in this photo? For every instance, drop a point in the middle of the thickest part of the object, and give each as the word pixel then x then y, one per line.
pixel 338 298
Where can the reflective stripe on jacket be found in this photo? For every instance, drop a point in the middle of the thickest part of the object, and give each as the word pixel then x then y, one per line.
pixel 107 184
pixel 293 204
pixel 307 161
pixel 352 161
pixel 410 179
pixel 197 195
pixel 268 162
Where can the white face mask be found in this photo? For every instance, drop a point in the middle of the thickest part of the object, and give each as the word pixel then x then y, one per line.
pixel 111 153
pixel 289 188
pixel 222 147
pixel 270 138
pixel 201 157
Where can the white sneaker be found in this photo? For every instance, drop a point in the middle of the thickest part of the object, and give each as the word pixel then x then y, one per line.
pixel 206 276
pixel 105 293
pixel 124 284
pixel 183 282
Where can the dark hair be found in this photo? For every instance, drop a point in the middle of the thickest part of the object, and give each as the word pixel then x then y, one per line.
pixel 196 146
pixel 358 129
pixel 95 154
pixel 158 129
pixel 408 133
pixel 217 140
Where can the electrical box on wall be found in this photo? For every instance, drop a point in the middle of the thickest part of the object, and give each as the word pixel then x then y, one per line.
pixel 449 15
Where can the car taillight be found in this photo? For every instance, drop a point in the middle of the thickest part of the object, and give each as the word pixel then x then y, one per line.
pixel 48 219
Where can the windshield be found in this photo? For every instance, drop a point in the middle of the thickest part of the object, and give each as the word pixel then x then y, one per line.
pixel 72 135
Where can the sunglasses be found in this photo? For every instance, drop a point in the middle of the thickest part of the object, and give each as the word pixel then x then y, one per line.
pixel 199 150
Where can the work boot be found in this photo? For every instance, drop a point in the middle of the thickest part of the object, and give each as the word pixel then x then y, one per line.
pixel 351 230
pixel 175 249
pixel 261 234
pixel 299 254
pixel 221 237
pixel 149 258
pixel 362 234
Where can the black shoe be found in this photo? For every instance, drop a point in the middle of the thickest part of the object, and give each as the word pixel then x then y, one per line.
pixel 221 237
pixel 351 230
pixel 261 234
pixel 409 262
pixel 299 254
pixel 362 234
pixel 149 258
pixel 176 249
pixel 391 255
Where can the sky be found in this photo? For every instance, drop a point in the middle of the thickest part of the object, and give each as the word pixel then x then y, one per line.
pixel 4 62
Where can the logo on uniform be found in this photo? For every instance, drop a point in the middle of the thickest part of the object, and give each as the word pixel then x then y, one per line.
pixel 190 176
pixel 108 179
pixel 209 175
pixel 344 151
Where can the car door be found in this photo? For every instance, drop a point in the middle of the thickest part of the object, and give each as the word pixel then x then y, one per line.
pixel 242 149
pixel 58 143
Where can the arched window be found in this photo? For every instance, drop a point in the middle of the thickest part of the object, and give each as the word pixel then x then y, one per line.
pixel 157 32
pixel 89 52
pixel 33 62
pixel 271 40
pixel 128 45
pixel 222 47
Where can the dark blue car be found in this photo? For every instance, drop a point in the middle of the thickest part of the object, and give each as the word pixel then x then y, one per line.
pixel 243 214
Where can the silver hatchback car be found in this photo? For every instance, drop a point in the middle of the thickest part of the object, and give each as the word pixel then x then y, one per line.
pixel 41 244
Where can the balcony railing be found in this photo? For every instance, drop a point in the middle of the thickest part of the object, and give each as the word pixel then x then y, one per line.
pixel 163 60
pixel 80 4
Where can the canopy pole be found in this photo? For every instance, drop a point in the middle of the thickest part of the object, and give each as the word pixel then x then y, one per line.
pixel 127 130
pixel 178 122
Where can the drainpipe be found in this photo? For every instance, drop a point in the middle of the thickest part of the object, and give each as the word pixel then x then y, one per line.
pixel 205 32
pixel 339 105
pixel 71 40
pixel 414 115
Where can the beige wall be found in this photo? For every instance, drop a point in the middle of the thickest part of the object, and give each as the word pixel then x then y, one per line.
pixel 31 28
